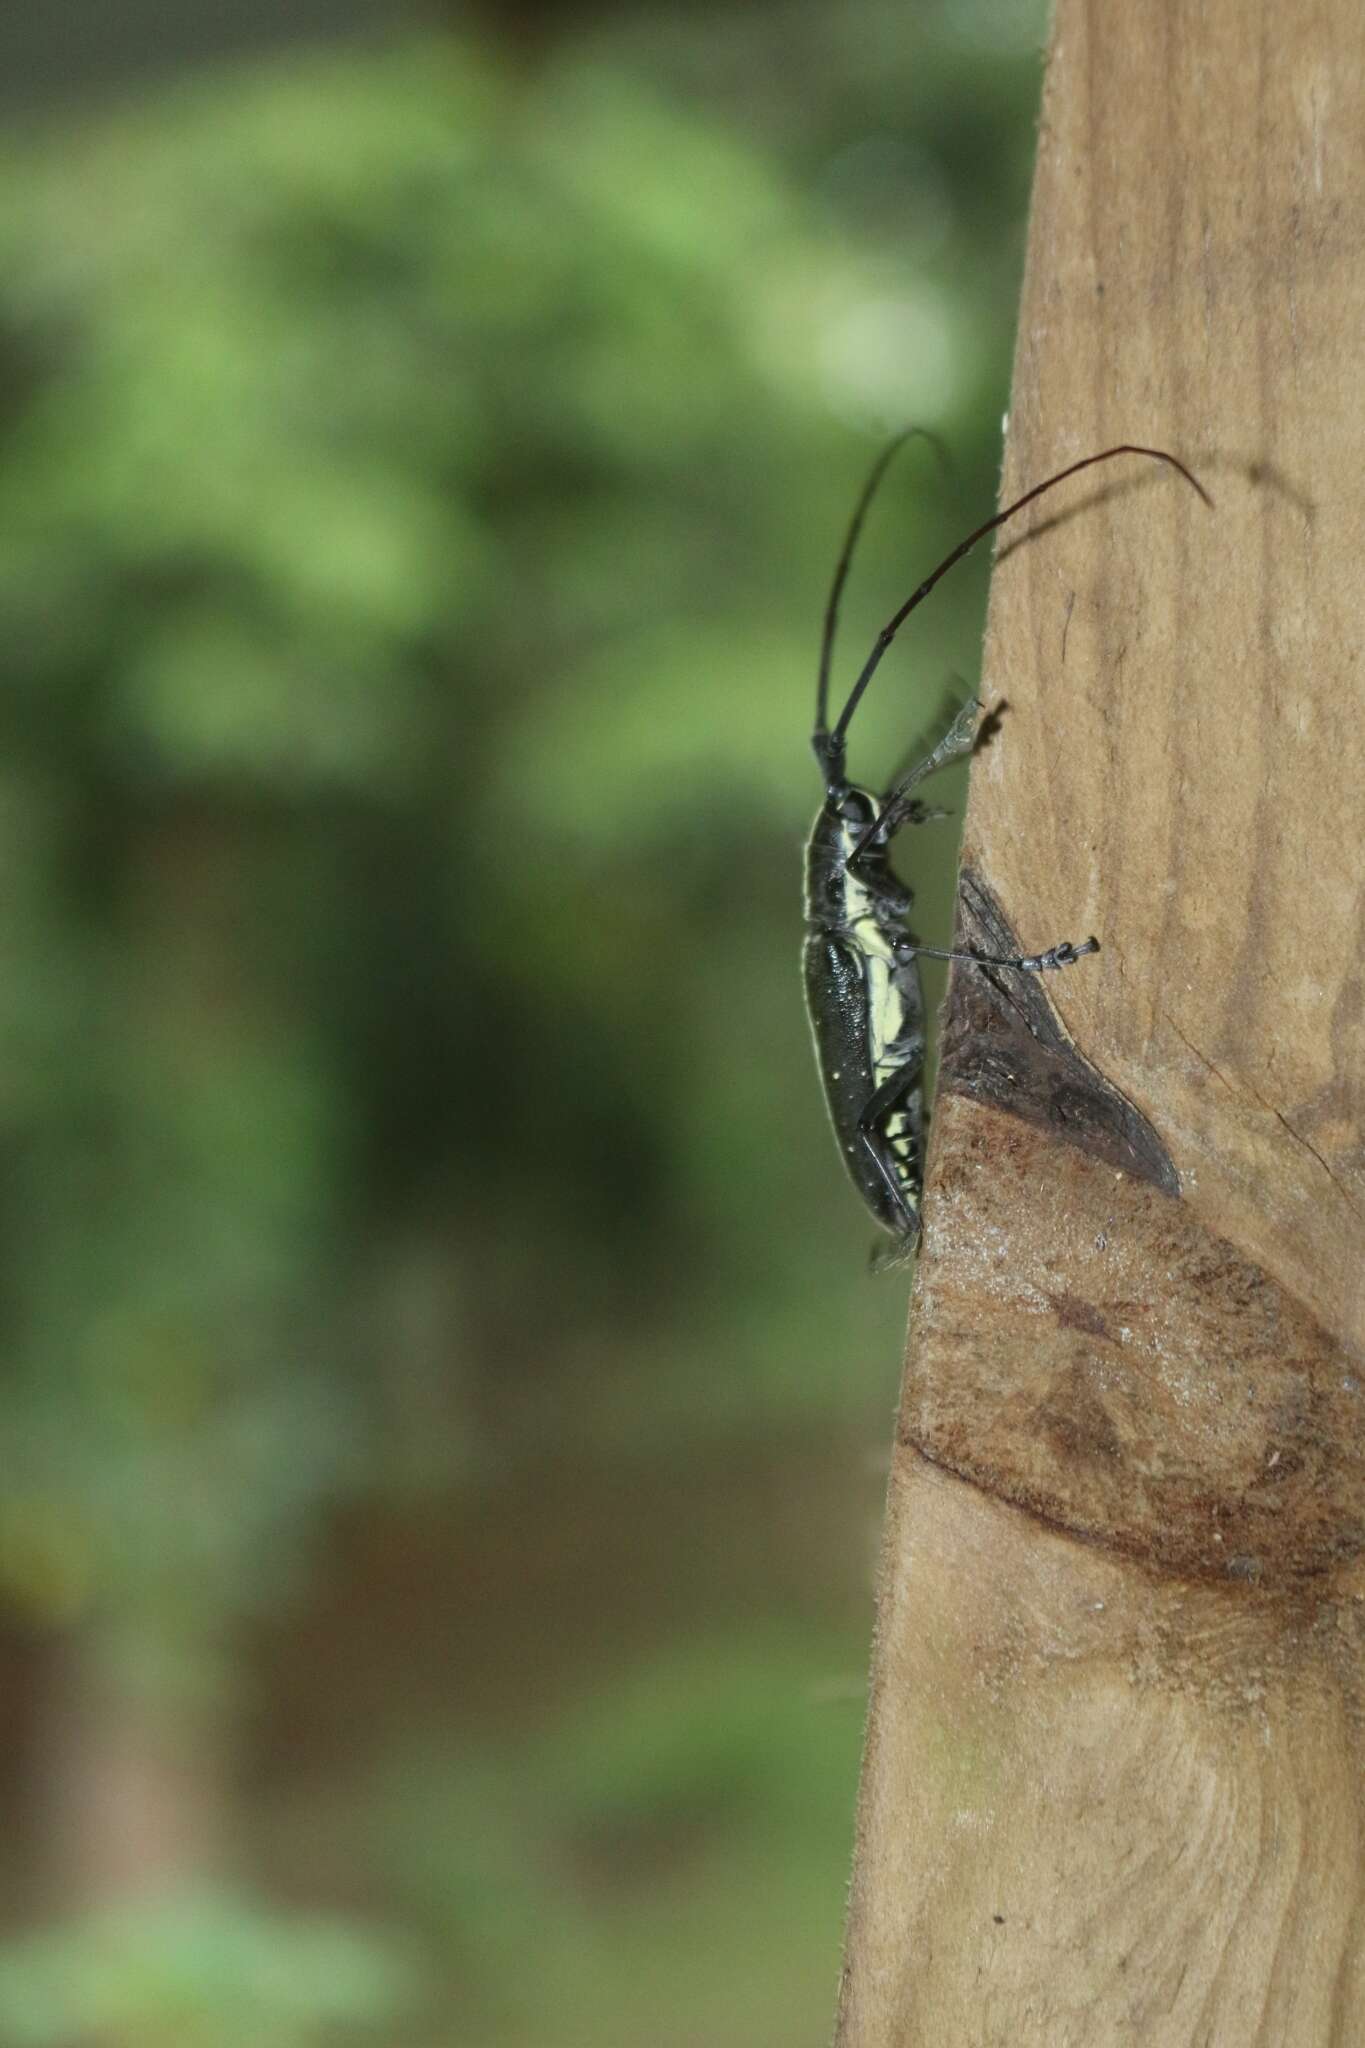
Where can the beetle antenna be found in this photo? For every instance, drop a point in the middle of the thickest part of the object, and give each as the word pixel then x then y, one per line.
pixel 835 740
pixel 855 527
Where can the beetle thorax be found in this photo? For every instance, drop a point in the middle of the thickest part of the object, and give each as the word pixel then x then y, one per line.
pixel 840 894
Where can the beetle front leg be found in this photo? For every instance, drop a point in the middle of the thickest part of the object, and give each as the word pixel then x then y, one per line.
pixel 898 807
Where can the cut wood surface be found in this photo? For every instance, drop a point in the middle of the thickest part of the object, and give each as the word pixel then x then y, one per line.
pixel 1114 1788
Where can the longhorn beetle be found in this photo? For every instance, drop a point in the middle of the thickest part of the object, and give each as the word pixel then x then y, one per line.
pixel 863 987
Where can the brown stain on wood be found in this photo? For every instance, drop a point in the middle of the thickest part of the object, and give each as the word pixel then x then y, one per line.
pixel 1080 1315
pixel 1088 1350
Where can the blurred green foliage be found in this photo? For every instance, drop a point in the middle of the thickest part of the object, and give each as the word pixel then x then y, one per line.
pixel 420 473
pixel 206 1971
pixel 655 1866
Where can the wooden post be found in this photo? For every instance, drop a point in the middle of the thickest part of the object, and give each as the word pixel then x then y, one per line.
pixel 1114 1788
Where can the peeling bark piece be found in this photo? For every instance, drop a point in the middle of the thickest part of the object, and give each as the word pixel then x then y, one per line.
pixel 1004 1044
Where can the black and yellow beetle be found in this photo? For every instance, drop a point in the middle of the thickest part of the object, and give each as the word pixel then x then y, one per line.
pixel 863 987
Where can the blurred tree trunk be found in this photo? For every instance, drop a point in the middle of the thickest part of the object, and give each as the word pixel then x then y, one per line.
pixel 133 1779
pixel 1114 1787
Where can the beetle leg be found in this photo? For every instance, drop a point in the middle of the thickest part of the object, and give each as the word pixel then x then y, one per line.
pixel 897 806
pixel 883 1099
pixel 1064 955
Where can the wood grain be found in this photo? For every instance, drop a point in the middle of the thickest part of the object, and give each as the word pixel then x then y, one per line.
pixel 1114 1788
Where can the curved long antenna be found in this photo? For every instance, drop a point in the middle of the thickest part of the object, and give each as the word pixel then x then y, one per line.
pixel 855 527
pixel 834 743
